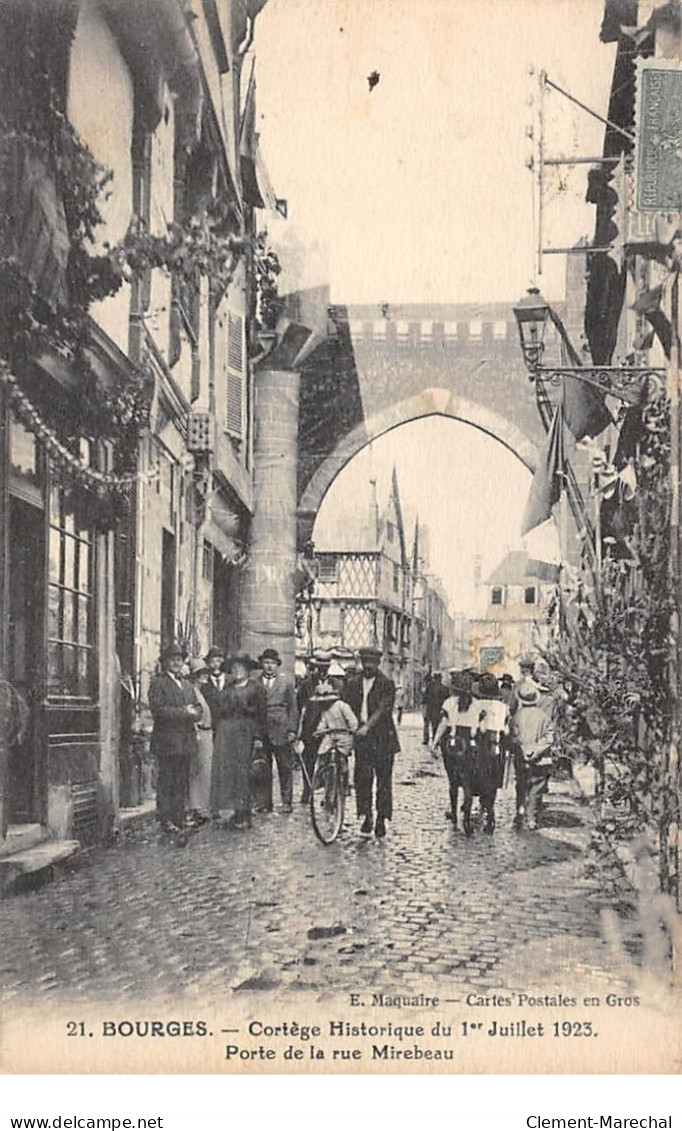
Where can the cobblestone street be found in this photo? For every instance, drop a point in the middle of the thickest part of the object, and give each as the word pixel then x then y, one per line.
pixel 237 911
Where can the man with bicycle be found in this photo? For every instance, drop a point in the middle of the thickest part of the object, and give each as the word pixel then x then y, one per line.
pixel 371 696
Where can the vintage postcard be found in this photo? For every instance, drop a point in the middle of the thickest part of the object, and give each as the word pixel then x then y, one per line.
pixel 339 570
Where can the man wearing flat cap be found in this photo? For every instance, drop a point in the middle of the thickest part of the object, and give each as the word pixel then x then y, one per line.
pixel 282 725
pixel 175 710
pixel 371 695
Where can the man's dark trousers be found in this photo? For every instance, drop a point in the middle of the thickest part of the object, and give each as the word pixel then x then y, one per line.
pixel 284 759
pixel 372 764
pixel 172 789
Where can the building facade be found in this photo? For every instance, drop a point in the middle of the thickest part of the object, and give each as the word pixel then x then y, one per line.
pixel 101 568
pixel 370 588
pixel 511 615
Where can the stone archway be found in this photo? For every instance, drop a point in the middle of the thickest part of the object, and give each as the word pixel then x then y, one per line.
pixel 429 402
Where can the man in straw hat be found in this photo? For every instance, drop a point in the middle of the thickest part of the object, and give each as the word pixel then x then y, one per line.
pixel 175 710
pixel 371 696
pixel 532 738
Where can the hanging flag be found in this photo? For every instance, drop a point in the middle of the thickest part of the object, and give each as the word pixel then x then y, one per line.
pixel 548 481
pixel 248 146
pixel 544 551
pixel 585 412
pixel 649 304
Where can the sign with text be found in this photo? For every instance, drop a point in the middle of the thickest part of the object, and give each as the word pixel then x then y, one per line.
pixel 659 136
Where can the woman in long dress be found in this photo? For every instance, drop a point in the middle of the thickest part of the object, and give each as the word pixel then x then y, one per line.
pixel 200 766
pixel 241 718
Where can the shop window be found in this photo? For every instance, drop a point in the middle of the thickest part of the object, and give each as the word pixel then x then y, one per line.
pixel 71 658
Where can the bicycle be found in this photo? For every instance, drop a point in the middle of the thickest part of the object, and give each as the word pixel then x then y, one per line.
pixel 328 792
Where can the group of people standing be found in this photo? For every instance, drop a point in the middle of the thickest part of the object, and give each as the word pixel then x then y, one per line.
pixel 481 726
pixel 221 725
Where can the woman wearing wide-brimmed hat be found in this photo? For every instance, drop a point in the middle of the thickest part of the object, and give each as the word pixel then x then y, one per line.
pixel 241 719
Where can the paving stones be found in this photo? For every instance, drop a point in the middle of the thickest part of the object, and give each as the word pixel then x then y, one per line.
pixel 275 910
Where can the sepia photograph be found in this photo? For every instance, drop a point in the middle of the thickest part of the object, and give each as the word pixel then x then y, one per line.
pixel 340 537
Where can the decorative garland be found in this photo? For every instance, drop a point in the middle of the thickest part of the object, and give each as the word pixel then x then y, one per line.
pixel 60 455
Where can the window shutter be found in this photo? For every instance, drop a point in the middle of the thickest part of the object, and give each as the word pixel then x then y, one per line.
pixel 235 375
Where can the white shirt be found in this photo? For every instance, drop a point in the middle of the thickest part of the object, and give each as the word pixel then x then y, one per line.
pixel 218 681
pixel 367 685
pixel 495 717
pixel 457 718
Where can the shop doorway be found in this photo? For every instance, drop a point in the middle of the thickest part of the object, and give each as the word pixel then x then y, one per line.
pixel 25 653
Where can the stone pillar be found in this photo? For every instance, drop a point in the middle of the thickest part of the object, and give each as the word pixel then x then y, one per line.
pixel 268 607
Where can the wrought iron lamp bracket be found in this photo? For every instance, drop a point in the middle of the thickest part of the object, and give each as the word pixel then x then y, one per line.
pixel 624 382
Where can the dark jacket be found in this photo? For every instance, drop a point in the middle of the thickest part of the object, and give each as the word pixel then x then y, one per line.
pixel 212 696
pixel 382 734
pixel 174 733
pixel 282 711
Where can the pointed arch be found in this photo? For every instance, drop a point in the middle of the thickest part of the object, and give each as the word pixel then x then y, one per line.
pixel 429 402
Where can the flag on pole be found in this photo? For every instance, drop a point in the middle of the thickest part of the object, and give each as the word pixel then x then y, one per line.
pixel 549 478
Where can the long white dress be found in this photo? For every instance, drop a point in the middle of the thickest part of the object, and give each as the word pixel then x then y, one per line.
pixel 200 768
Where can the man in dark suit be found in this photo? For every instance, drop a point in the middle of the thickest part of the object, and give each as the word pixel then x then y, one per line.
pixel 175 710
pixel 282 725
pixel 211 691
pixel 371 696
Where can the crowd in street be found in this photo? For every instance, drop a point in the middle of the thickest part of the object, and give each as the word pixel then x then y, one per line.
pixel 223 725
pixel 482 727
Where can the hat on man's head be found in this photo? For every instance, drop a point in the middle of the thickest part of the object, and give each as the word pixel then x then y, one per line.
pixel 213 652
pixel 270 654
pixel 506 680
pixel 487 686
pixel 370 651
pixel 196 665
pixel 242 658
pixel 528 693
pixel 171 650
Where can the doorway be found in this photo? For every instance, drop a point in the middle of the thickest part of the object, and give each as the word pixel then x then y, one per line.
pixel 225 604
pixel 25 652
pixel 168 621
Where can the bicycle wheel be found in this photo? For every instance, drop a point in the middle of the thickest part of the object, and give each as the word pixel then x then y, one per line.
pixel 327 799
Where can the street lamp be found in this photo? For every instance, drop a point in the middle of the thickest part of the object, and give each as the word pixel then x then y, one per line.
pixel 532 314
